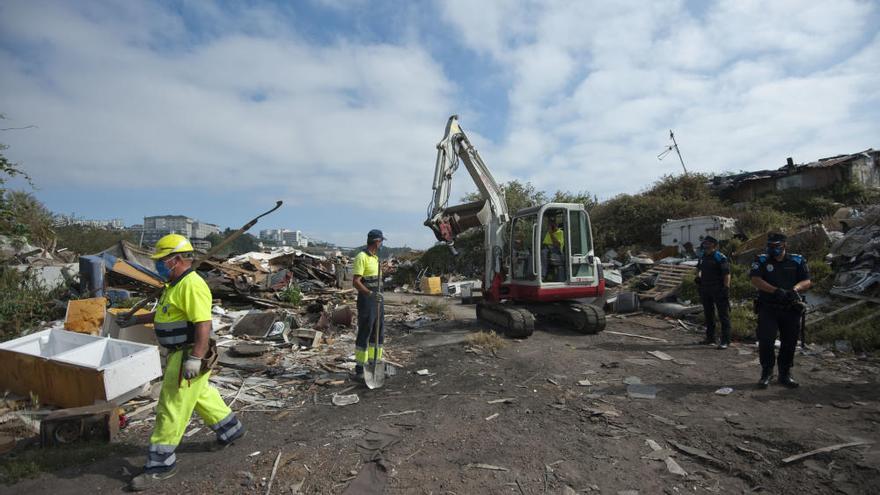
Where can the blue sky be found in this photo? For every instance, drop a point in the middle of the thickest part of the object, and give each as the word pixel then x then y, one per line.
pixel 217 109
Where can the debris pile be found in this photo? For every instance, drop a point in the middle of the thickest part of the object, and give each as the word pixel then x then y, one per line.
pixel 855 257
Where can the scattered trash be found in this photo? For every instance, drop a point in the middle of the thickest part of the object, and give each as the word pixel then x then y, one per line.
pixel 345 400
pixel 402 413
pixel 637 336
pixel 490 467
pixel 830 448
pixel 584 383
pixel 490 418
pixel 661 355
pixel 724 391
pixel 423 372
pixel 254 454
pixel 699 453
pixel 641 391
pixel 632 380
pixel 506 400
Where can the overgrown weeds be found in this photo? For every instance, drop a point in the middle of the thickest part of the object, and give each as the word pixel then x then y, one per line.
pixel 25 302
pixel 860 326
pixel 291 295
pixel 435 308
pixel 489 341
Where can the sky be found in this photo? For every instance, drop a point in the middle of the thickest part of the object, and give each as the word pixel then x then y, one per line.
pixel 215 109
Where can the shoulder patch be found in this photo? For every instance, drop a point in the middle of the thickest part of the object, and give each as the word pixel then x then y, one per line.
pixel 762 258
pixel 720 257
pixel 798 259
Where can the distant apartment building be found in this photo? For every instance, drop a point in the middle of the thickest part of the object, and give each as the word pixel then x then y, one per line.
pixel 65 220
pixel 157 226
pixel 284 237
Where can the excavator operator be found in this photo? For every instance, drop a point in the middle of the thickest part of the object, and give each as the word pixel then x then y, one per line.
pixel 551 251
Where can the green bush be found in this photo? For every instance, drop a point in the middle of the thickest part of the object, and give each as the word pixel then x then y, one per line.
pixel 864 337
pixel 758 220
pixel 291 295
pixel 821 275
pixel 743 322
pixel 24 302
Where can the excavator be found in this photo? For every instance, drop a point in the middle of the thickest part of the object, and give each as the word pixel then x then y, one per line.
pixel 539 261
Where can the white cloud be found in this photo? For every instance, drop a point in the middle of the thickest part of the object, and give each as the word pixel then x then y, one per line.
pixel 595 86
pixel 121 98
pixel 227 97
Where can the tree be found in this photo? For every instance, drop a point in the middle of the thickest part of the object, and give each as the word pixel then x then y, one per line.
pixel 245 243
pixel 26 216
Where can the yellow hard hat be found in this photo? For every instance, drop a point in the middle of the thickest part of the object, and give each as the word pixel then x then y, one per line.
pixel 170 244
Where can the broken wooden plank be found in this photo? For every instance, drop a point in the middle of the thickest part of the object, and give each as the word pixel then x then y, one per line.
pixel 637 336
pixel 837 312
pixel 489 467
pixel 830 448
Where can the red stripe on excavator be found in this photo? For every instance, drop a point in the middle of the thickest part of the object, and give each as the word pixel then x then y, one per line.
pixel 533 293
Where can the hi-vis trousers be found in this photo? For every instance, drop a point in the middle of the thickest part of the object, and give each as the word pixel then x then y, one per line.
pixel 365 344
pixel 177 401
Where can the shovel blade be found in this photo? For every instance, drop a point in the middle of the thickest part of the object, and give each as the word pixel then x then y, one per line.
pixel 374 374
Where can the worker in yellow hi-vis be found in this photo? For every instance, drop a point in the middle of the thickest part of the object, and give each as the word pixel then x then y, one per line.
pixel 369 304
pixel 552 251
pixel 183 326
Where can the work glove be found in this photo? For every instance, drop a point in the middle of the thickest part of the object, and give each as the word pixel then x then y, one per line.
pixel 792 297
pixel 192 367
pixel 125 321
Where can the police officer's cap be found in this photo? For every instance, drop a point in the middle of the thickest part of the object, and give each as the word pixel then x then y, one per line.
pixel 709 239
pixel 776 237
pixel 374 234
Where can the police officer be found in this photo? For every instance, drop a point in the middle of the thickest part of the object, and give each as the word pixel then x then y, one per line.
pixel 713 277
pixel 369 304
pixel 780 277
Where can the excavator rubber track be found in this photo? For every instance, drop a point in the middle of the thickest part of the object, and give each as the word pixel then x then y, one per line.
pixel 516 323
pixel 580 317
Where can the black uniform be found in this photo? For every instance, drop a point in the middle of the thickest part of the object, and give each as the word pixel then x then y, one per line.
pixel 775 315
pixel 714 295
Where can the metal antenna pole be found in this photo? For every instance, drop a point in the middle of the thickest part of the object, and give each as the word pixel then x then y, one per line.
pixel 675 145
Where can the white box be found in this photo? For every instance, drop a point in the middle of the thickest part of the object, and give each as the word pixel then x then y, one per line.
pixel 69 369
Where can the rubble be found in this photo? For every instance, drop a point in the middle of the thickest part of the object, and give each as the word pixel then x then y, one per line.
pixel 855 257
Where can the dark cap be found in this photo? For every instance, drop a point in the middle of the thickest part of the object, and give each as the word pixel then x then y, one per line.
pixel 711 239
pixel 375 234
pixel 776 237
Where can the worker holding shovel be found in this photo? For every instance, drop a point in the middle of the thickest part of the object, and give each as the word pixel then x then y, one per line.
pixel 371 311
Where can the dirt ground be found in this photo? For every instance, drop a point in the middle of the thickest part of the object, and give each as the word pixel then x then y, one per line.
pixel 555 435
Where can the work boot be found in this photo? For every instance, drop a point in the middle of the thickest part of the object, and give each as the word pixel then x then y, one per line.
pixel 722 346
pixel 220 444
pixel 766 374
pixel 786 380
pixel 151 477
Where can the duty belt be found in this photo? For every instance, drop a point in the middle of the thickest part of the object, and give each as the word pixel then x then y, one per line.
pixel 175 334
pixel 371 283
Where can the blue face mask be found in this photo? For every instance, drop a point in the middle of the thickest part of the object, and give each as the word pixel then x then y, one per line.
pixel 163 270
pixel 774 250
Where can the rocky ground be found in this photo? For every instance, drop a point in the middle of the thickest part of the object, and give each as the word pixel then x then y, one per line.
pixel 569 423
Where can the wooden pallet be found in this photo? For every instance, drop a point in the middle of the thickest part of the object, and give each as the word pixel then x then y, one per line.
pixel 669 280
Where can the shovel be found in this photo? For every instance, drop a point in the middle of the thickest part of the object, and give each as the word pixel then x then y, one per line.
pixel 374 372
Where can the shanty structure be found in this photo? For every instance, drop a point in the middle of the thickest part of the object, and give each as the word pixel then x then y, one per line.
pixel 861 168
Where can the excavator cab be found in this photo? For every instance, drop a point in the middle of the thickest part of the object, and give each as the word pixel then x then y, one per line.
pixel 551 255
